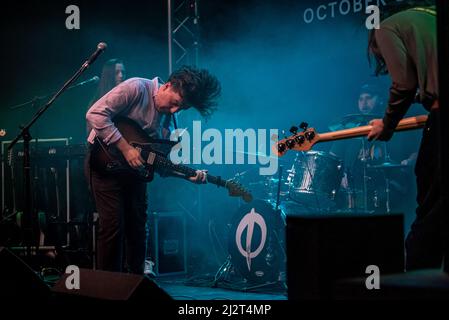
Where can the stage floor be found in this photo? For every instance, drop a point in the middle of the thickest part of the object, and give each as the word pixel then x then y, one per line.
pixel 205 288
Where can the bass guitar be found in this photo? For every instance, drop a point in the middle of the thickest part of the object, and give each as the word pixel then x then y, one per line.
pixel 304 141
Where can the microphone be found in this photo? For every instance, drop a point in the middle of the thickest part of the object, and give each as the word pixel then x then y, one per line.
pixel 94 79
pixel 100 48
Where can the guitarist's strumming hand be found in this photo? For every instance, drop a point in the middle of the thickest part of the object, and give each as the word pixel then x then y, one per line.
pixel 201 177
pixel 131 155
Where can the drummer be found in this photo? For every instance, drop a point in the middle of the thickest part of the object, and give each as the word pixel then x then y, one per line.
pixel 356 152
pixel 358 155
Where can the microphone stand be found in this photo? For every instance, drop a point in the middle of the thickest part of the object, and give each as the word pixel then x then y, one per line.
pixel 29 216
pixel 36 99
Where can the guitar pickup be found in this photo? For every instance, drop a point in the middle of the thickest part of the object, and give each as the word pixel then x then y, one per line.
pixel 151 157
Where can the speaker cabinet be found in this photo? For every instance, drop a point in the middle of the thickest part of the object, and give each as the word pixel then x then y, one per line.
pixel 18 280
pixel 425 284
pixel 111 286
pixel 322 249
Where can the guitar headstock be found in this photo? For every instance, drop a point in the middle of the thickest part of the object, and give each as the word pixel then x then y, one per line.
pixel 298 141
pixel 237 190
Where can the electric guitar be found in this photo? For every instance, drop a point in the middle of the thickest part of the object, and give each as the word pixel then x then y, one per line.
pixel 304 141
pixel 108 159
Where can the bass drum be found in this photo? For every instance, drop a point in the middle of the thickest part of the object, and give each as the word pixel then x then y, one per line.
pixel 256 242
pixel 316 179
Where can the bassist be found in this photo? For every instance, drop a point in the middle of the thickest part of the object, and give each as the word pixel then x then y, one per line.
pixel 405 46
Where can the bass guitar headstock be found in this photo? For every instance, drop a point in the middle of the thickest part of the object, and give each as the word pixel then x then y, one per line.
pixel 298 141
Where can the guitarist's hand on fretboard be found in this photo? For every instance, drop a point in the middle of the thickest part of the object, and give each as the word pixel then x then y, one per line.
pixel 201 177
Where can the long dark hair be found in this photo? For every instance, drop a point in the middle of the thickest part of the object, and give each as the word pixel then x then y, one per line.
pixel 107 79
pixel 388 10
pixel 199 88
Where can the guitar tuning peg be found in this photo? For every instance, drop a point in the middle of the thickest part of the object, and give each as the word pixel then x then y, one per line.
pixel 310 135
pixel 281 147
pixel 294 130
pixel 290 143
pixel 304 126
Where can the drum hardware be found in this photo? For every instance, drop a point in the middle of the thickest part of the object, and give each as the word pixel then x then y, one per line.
pixel 223 271
pixel 266 187
pixel 388 165
pixel 366 157
pixel 386 169
pixel 279 188
pixel 365 177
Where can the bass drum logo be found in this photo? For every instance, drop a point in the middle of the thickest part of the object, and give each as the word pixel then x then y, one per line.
pixel 247 223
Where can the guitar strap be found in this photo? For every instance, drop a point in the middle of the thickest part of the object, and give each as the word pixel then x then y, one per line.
pixel 426 10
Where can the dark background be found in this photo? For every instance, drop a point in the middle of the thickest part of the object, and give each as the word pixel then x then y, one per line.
pixel 276 71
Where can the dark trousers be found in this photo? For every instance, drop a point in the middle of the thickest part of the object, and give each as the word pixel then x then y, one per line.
pixel 121 203
pixel 427 240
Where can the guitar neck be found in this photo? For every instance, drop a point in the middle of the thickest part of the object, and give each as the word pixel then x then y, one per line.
pixel 405 124
pixel 165 163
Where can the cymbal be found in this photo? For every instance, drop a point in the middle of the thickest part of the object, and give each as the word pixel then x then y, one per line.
pixel 388 165
pixel 353 120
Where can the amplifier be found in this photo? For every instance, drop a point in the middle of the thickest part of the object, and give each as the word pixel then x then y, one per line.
pixel 56 168
pixel 50 179
pixel 167 242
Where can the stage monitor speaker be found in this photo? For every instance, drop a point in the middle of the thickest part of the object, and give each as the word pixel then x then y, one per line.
pixel 18 280
pixel 425 284
pixel 322 249
pixel 110 286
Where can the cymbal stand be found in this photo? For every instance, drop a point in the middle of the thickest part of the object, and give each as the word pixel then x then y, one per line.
pixel 365 177
pixel 387 179
pixel 279 188
pixel 223 271
pixel 387 192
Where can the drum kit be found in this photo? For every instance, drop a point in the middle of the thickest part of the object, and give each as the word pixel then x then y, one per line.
pixel 315 182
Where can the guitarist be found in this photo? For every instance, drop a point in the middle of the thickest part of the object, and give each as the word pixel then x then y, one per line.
pixel 405 47
pixel 121 201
